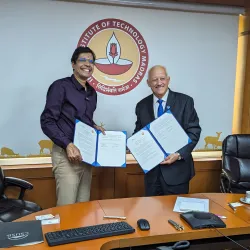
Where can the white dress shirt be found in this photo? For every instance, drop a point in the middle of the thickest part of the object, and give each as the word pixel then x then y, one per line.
pixel 156 104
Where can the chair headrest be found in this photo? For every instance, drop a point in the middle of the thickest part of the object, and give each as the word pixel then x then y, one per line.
pixel 237 145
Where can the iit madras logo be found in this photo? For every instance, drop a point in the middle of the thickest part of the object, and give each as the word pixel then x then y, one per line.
pixel 122 55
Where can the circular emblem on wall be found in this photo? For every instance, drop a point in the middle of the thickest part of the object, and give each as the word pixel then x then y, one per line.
pixel 121 55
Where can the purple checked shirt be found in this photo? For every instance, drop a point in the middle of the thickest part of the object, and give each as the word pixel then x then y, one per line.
pixel 66 101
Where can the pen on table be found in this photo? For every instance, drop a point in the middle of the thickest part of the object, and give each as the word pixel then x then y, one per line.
pixel 221 216
pixel 114 217
pixel 231 206
pixel 176 225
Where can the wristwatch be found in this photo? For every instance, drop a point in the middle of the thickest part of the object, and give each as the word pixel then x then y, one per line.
pixel 179 156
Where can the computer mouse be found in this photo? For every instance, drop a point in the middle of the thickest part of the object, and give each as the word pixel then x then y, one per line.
pixel 143 224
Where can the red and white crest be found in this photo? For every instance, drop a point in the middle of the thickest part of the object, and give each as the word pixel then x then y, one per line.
pixel 122 55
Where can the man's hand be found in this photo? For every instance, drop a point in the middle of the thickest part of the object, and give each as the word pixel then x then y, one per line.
pixel 100 128
pixel 73 154
pixel 171 159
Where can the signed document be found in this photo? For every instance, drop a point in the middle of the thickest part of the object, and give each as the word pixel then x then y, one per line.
pixel 145 149
pixel 152 144
pixel 100 150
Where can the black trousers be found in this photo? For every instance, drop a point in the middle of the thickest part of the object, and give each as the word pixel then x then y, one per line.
pixel 155 184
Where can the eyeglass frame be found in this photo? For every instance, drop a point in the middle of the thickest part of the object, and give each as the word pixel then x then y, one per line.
pixel 84 60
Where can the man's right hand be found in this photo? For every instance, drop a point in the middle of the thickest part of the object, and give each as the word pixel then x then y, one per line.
pixel 73 154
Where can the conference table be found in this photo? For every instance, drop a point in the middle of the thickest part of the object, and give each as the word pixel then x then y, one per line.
pixel 157 210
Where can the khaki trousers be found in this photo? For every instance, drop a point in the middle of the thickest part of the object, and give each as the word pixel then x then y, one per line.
pixel 73 181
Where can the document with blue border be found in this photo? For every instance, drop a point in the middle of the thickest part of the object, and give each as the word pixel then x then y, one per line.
pixel 100 150
pixel 152 144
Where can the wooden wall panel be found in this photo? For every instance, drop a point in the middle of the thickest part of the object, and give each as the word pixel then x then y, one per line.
pixel 102 184
pixel 207 177
pixel 108 183
pixel 44 191
pixel 129 182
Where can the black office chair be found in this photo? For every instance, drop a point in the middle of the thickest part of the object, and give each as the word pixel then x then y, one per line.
pixel 12 209
pixel 235 176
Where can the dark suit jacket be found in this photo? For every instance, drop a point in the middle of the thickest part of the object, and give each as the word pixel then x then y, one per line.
pixel 182 107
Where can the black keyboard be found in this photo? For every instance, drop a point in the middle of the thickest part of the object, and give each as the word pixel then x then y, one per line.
pixel 88 233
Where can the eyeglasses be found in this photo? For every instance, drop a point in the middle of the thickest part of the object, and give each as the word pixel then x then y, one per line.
pixel 84 60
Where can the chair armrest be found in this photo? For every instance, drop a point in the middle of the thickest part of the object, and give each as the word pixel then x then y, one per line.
pixel 226 180
pixel 225 185
pixel 12 181
pixel 228 175
pixel 24 185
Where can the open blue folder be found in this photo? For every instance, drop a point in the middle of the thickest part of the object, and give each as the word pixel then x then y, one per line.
pixel 100 150
pixel 153 143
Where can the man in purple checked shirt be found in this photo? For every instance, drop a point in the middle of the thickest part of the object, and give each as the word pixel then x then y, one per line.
pixel 68 99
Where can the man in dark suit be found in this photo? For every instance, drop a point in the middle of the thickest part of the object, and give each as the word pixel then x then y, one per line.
pixel 172 176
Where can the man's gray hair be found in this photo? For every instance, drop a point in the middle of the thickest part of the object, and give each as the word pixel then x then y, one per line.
pixel 157 66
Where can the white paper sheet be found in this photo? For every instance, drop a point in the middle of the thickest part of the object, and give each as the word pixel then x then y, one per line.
pixel 112 149
pixel 145 150
pixel 184 204
pixel 85 140
pixel 169 133
pixel 100 150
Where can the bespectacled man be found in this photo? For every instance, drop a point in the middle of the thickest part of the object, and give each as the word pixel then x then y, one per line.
pixel 69 99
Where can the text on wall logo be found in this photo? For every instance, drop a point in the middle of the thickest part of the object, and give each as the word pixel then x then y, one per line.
pixel 122 55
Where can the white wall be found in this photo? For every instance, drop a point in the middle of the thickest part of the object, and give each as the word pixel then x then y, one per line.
pixel 38 38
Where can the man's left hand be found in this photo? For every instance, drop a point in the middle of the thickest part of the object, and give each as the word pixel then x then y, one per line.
pixel 170 159
pixel 100 128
